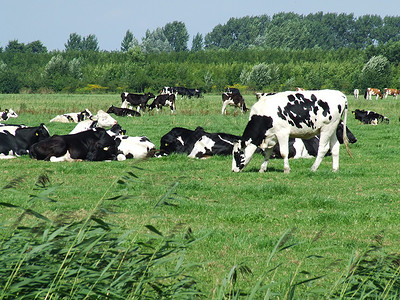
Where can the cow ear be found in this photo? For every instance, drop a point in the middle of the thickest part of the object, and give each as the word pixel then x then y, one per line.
pixel 6 110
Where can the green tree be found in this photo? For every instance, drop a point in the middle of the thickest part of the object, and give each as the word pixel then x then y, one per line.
pixel 376 72
pixel 176 35
pixel 129 42
pixel 155 42
pixel 197 42
pixel 74 43
pixel 90 43
pixel 15 47
pixel 262 75
pixel 35 47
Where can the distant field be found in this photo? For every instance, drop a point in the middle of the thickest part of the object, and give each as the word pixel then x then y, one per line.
pixel 331 215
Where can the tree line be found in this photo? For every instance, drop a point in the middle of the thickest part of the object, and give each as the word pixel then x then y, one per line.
pixel 253 53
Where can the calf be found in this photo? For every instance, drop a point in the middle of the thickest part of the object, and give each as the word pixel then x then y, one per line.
pixel 122 112
pixel 91 145
pixel 369 92
pixel 16 139
pixel 73 117
pixel 100 120
pixel 136 100
pixel 369 117
pixel 274 119
pixel 233 99
pixel 7 114
pixel 134 147
pixel 163 100
pixel 356 93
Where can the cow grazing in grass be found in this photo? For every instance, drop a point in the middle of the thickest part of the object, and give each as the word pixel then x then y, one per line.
pixel 15 140
pixel 369 92
pixel 122 112
pixel 91 145
pixel 235 100
pixel 391 92
pixel 7 114
pixel 73 117
pixel 276 118
pixel 163 100
pixel 369 117
pixel 139 101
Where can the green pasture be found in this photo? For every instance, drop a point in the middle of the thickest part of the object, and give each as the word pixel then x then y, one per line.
pixel 329 218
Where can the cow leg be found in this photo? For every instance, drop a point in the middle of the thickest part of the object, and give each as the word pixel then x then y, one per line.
pixel 267 154
pixel 284 150
pixel 335 147
pixel 322 149
pixel 224 104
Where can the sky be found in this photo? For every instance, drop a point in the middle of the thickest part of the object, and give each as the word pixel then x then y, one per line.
pixel 52 21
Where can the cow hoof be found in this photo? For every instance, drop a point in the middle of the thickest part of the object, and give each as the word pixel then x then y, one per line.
pixel 286 171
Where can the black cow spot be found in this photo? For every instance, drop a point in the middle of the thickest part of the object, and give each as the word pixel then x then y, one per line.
pixel 256 129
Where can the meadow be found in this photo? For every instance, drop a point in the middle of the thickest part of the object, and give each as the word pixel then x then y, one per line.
pixel 281 230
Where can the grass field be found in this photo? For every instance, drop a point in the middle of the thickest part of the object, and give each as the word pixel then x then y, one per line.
pixel 330 216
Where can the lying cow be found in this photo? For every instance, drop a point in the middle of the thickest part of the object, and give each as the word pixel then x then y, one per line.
pixel 91 145
pixel 73 117
pixel 369 117
pixel 163 100
pixel 122 112
pixel 16 140
pixel 100 120
pixel 276 118
pixel 7 114
pixel 196 143
pixel 137 147
pixel 233 99
pixel 139 101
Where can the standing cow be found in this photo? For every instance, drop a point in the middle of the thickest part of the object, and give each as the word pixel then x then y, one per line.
pixel 276 118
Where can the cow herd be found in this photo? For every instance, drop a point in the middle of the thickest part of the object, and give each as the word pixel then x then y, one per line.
pixel 299 124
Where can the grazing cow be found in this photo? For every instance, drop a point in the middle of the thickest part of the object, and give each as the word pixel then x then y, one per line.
pixel 274 119
pixel 163 100
pixel 16 139
pixel 92 145
pixel 235 100
pixel 369 117
pixel 392 92
pixel 136 100
pixel 7 114
pixel 73 117
pixel 308 148
pixel 100 120
pixel 369 92
pixel 356 93
pixel 122 112
pixel 134 147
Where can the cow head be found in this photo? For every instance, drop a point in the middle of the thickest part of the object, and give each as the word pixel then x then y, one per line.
pixel 8 113
pixel 104 119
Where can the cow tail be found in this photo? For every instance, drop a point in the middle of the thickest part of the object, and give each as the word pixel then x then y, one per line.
pixel 345 139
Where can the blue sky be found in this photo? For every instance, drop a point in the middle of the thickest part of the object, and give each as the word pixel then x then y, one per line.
pixel 52 21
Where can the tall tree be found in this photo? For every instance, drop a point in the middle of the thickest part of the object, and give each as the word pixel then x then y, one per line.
pixel 15 47
pixel 155 42
pixel 90 43
pixel 36 47
pixel 197 42
pixel 74 42
pixel 176 35
pixel 129 41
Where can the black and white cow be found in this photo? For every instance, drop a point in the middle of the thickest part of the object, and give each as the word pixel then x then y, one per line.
pixel 91 145
pixel 122 112
pixel 233 99
pixel 137 147
pixel 7 114
pixel 196 143
pixel 16 139
pixel 163 100
pixel 232 90
pixel 276 118
pixel 369 117
pixel 139 101
pixel 73 117
pixel 100 120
